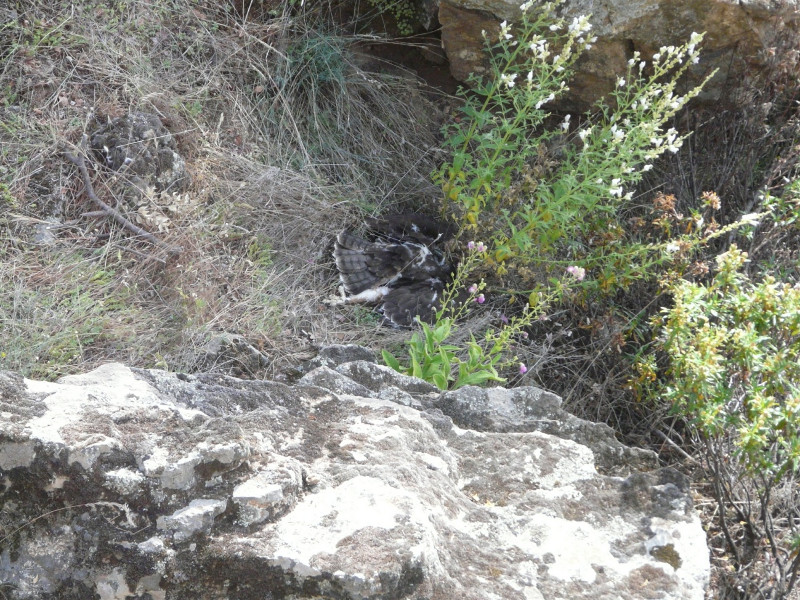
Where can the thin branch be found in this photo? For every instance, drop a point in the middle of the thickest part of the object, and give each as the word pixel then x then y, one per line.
pixel 78 161
pixel 675 446
pixel 716 482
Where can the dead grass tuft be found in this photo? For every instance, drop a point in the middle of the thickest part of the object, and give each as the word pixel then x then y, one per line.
pixel 289 136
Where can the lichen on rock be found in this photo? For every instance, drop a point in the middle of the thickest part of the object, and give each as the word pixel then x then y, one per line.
pixel 355 482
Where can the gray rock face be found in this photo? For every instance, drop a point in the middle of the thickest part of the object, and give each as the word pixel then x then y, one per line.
pixel 739 36
pixel 354 483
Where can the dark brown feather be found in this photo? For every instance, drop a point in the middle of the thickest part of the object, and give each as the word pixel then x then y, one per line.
pixel 400 265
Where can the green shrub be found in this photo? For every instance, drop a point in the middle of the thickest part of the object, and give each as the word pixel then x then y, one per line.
pixel 734 362
pixel 733 373
pixel 572 213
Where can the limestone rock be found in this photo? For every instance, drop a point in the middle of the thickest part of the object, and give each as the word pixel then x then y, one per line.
pixel 231 353
pixel 739 36
pixel 353 483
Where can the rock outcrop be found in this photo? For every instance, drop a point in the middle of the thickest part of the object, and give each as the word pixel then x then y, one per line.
pixel 740 41
pixel 353 483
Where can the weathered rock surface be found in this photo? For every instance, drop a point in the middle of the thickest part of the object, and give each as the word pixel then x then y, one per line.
pixel 354 483
pixel 740 34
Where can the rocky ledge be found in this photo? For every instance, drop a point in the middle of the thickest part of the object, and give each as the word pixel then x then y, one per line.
pixel 354 483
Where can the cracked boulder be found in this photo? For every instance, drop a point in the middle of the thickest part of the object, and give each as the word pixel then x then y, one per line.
pixel 353 483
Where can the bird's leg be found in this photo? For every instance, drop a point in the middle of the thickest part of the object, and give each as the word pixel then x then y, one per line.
pixel 334 300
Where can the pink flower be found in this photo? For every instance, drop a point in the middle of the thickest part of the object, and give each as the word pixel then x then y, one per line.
pixel 473 288
pixel 522 369
pixel 480 299
pixel 479 246
pixel 504 319
pixel 577 272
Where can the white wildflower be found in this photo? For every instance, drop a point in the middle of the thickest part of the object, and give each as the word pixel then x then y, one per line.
pixel 620 82
pixel 526 6
pixel 646 168
pixel 750 219
pixel 508 79
pixel 565 123
pixel 672 133
pixel 505 31
pixel 580 25
pixel 583 133
pixel 672 247
pixel 540 48
pixel 675 146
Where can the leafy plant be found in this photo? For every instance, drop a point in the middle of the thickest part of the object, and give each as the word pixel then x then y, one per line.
pixel 572 213
pixel 733 350
pixel 448 365
pixel 404 12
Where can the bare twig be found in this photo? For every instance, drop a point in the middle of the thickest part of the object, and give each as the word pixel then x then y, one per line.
pixel 675 446
pixel 78 161
pixel 716 485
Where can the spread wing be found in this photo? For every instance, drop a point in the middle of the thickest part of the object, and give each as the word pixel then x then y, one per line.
pixel 414 226
pixel 419 298
pixel 400 266
pixel 363 265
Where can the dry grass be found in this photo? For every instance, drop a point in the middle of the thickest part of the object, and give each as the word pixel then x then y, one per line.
pixel 288 137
